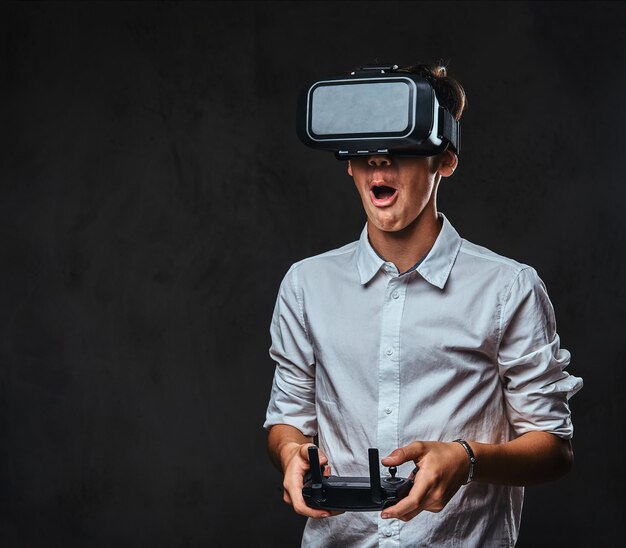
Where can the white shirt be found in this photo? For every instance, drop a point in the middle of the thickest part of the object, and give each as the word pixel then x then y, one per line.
pixel 464 346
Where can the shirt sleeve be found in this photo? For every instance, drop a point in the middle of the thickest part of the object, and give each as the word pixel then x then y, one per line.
pixel 531 362
pixel 292 399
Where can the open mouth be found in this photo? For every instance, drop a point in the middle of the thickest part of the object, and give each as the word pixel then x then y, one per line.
pixel 383 192
pixel 383 195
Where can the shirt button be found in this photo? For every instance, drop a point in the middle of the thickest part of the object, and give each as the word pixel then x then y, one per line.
pixel 395 294
pixel 388 532
pixel 389 351
pixel 388 410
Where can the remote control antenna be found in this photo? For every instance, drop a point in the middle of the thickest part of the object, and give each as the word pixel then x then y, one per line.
pixel 316 474
pixel 375 488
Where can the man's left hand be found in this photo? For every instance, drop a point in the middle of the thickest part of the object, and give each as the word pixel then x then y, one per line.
pixel 443 468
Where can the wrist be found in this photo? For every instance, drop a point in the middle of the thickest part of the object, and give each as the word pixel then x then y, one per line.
pixel 471 459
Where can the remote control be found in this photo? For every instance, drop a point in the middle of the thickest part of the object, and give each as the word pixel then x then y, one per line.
pixel 352 494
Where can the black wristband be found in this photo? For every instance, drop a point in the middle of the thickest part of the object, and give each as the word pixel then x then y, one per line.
pixel 472 459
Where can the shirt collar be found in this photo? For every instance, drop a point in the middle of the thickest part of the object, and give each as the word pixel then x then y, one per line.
pixel 367 260
pixel 436 266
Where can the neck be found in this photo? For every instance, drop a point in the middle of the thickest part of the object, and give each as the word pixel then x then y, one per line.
pixel 406 247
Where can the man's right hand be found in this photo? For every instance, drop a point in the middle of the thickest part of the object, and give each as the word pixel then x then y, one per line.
pixel 295 463
pixel 289 450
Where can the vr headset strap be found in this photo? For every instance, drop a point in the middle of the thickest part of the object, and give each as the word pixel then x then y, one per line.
pixel 450 129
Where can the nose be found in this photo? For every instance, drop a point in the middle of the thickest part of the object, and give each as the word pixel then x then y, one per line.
pixel 379 160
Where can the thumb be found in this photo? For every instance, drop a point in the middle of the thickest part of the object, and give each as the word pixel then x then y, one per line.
pixel 304 453
pixel 411 452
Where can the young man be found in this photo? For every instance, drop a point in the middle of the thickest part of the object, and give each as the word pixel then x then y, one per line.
pixel 428 347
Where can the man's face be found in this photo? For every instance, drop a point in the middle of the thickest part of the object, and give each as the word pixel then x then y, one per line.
pixel 395 190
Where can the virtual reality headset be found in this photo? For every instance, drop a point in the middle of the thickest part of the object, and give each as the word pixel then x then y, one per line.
pixel 376 110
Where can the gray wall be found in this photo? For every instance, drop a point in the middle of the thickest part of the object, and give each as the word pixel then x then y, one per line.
pixel 154 193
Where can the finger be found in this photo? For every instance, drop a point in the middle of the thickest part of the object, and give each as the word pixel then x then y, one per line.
pixel 294 498
pixel 323 457
pixel 411 504
pixel 411 452
pixel 301 508
pixel 411 515
pixel 304 453
pixel 305 510
pixel 286 497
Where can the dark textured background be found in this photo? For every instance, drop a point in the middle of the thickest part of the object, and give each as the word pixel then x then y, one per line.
pixel 154 193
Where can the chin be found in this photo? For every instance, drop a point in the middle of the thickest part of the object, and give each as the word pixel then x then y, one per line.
pixel 390 226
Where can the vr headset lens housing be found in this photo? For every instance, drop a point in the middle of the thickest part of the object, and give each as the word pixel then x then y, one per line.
pixel 364 109
pixel 374 112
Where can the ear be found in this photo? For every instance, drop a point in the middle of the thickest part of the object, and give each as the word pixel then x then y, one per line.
pixel 448 161
pixel 349 168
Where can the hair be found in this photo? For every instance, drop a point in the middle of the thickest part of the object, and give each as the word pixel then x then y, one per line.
pixel 449 92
